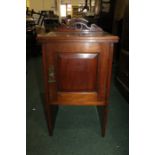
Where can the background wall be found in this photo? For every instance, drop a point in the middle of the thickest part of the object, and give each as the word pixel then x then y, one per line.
pixel 38 5
pixel 73 2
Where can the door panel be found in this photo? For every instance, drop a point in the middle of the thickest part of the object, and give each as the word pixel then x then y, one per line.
pixel 77 71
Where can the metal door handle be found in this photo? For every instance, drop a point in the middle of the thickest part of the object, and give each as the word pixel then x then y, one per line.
pixel 51 75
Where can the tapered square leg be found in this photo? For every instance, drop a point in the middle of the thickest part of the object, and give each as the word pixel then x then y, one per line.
pixel 51 112
pixel 48 114
pixel 103 112
pixel 104 121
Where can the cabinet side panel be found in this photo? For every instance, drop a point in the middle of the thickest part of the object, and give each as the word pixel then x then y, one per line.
pixel 103 69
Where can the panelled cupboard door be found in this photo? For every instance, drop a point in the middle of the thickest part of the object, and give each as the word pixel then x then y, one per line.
pixel 77 74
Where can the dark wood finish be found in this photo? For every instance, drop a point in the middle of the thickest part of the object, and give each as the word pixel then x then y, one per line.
pixel 77 98
pixel 104 121
pixel 103 114
pixel 77 70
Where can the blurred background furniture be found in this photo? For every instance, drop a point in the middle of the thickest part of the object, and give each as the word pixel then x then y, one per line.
pixel 51 21
pixel 30 36
pixel 34 25
pixel 106 16
pixel 122 76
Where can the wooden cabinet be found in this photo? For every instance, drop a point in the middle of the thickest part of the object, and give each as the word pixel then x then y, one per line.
pixel 77 70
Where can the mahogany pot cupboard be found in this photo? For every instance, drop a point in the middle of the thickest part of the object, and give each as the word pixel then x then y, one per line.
pixel 77 70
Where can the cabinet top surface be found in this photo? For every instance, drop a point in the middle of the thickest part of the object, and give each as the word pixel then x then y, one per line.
pixel 76 36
